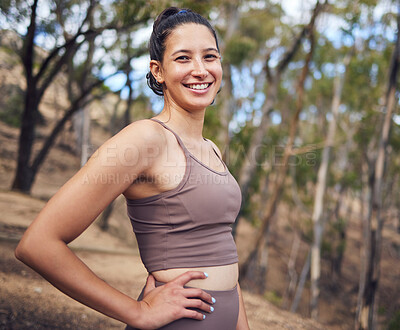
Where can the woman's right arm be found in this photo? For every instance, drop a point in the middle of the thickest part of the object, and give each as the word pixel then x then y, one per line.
pixel 44 246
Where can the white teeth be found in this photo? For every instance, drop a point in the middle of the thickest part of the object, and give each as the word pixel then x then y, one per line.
pixel 198 86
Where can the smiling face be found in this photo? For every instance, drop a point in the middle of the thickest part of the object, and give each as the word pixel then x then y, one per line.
pixel 191 68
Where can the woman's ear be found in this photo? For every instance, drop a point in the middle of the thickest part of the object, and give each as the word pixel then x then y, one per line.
pixel 156 71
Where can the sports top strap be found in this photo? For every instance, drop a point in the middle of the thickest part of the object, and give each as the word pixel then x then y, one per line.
pixel 180 142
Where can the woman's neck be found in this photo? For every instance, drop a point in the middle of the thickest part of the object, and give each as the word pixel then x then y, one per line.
pixel 189 125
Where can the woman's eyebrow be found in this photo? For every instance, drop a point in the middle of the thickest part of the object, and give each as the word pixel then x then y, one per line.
pixel 181 51
pixel 212 48
pixel 188 51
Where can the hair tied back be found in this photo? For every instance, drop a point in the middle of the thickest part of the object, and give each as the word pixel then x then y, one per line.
pixel 166 22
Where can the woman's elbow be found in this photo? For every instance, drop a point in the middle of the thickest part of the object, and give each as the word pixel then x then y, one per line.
pixel 21 252
pixel 27 249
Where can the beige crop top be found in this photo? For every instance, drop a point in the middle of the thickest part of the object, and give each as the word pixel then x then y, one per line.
pixel 188 226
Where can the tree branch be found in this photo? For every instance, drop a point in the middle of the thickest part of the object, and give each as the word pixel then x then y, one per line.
pixel 296 44
pixel 68 44
pixel 75 106
pixel 27 51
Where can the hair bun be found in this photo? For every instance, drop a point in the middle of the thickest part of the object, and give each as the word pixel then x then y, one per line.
pixel 164 15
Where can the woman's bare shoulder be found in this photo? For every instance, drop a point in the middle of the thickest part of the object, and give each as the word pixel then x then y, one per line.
pixel 143 130
pixel 135 148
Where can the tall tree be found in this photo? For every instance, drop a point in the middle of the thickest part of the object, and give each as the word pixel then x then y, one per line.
pixel 269 210
pixel 127 14
pixel 366 309
pixel 225 99
pixel 252 155
pixel 318 214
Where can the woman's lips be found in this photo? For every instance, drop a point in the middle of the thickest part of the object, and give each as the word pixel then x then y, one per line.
pixel 198 86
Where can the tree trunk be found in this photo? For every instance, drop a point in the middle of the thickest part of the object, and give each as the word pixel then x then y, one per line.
pixel 302 282
pixel 273 201
pixel 105 217
pixel 340 248
pixel 83 84
pixel 25 173
pixel 76 105
pixel 85 146
pixel 24 177
pixel 127 114
pixel 38 83
pixel 365 198
pixel 106 214
pixel 226 100
pixel 366 316
pixel 292 274
pixel 317 216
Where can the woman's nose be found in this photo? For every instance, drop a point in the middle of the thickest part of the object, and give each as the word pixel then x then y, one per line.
pixel 199 69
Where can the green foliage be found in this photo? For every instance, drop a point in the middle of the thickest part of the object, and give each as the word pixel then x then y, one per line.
pixel 261 24
pixel 307 230
pixel 16 11
pixel 239 143
pixel 129 11
pixel 202 7
pixel 140 108
pixel 326 247
pixel 351 179
pixel 395 137
pixel 381 310
pixel 239 49
pixel 273 297
pixel 12 106
pixel 212 124
pixel 394 323
pixel 334 242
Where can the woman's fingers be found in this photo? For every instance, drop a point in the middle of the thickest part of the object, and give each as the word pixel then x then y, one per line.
pixel 191 314
pixel 193 292
pixel 150 285
pixel 199 304
pixel 188 276
pixel 198 293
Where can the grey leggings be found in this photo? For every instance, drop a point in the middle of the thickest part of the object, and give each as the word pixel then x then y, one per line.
pixel 224 317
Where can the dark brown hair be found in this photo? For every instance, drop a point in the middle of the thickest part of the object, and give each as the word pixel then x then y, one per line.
pixel 165 23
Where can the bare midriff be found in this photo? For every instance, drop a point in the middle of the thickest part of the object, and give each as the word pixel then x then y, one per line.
pixel 220 278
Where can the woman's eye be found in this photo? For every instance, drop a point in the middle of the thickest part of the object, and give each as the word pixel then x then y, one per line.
pixel 182 58
pixel 211 57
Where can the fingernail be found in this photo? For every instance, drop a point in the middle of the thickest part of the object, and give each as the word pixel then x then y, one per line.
pixel 213 300
pixel 211 309
pixel 205 274
pixel 204 317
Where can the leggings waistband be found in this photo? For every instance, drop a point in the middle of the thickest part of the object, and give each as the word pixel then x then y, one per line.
pixel 212 292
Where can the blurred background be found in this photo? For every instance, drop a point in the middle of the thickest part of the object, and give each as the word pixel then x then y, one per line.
pixel 307 120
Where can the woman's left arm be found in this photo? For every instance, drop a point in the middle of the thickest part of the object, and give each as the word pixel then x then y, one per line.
pixel 242 323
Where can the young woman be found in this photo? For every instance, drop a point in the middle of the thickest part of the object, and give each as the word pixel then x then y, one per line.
pixel 181 199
